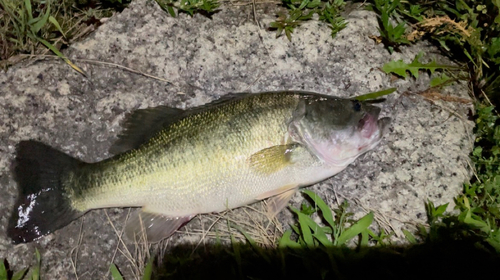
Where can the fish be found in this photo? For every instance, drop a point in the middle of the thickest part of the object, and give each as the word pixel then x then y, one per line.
pixel 175 164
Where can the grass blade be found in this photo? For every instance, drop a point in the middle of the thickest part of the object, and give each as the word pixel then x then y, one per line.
pixel 148 270
pixel 356 229
pixel 15 20
pixel 319 234
pixel 35 273
pixel 171 11
pixel 410 237
pixel 325 210
pixel 286 242
pixel 56 24
pixel 18 275
pixel 27 5
pixel 303 4
pixel 3 271
pixel 41 23
pixel 364 238
pixel 494 241
pixel 374 95
pixel 59 54
pixel 115 273
pixel 307 224
pixel 237 254
pixel 305 231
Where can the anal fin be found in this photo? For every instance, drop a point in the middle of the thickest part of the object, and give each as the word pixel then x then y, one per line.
pixel 153 227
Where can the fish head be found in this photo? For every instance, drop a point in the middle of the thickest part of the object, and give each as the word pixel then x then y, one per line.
pixel 337 130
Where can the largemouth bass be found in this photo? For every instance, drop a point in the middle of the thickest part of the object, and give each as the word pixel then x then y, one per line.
pixel 176 164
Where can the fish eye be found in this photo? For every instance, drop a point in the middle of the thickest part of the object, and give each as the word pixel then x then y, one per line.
pixel 356 106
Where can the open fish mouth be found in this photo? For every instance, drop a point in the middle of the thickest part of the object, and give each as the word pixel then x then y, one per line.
pixel 372 129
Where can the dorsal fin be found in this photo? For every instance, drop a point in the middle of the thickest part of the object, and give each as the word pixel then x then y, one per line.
pixel 225 98
pixel 141 125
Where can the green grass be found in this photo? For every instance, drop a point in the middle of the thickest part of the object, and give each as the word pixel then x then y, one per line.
pixel 39 26
pixel 303 10
pixel 190 7
pixel 34 271
pixel 392 35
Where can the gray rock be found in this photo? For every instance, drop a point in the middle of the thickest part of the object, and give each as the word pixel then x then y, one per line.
pixel 424 157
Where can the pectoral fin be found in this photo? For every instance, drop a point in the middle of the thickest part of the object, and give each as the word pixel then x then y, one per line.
pixel 272 159
pixel 153 227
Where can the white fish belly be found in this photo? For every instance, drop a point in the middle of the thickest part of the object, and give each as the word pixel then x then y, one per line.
pixel 216 194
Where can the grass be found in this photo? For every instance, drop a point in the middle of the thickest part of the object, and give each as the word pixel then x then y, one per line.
pixel 302 10
pixel 466 31
pixel 34 272
pixel 39 26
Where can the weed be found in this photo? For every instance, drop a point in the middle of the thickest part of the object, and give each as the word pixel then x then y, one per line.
pixel 190 6
pixel 393 36
pixel 400 68
pixel 148 271
pixel 303 10
pixel 480 202
pixel 374 95
pixel 7 274
pixel 467 31
pixel 26 29
pixel 38 26
pixel 335 233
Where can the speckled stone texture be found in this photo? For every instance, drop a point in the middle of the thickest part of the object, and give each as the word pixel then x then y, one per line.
pixel 424 156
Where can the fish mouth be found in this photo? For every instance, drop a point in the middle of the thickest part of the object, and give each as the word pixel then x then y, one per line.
pixel 370 125
pixel 373 129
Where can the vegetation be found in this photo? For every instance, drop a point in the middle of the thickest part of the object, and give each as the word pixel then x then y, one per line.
pixel 469 33
pixel 38 26
pixel 302 10
pixel 7 274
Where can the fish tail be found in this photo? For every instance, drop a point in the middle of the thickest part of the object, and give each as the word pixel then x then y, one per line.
pixel 43 205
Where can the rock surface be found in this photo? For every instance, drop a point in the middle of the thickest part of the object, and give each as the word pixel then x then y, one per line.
pixel 424 156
